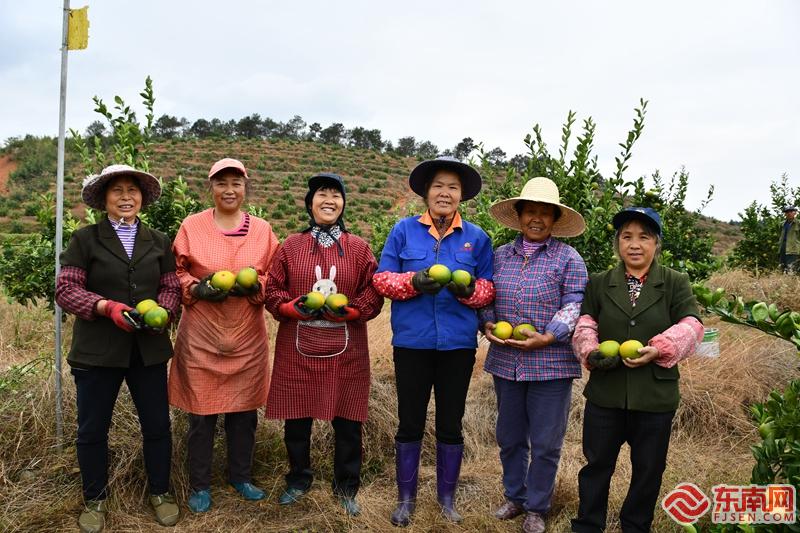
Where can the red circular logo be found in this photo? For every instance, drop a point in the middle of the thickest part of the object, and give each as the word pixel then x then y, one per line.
pixel 686 503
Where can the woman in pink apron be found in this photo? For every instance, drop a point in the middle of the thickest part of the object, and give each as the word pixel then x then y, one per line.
pixel 221 363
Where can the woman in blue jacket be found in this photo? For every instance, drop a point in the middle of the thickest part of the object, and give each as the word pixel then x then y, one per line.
pixel 434 326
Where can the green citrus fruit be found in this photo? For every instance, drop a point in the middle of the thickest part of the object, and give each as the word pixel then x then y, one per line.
pixel 156 317
pixel 314 300
pixel 630 349
pixel 247 277
pixel 518 331
pixel 223 280
pixel 145 305
pixel 440 273
pixel 760 312
pixel 462 277
pixel 766 430
pixel 502 330
pixel 336 301
pixel 609 348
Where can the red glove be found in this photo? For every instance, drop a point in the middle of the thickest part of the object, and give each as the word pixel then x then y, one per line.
pixel 344 314
pixel 118 313
pixel 295 309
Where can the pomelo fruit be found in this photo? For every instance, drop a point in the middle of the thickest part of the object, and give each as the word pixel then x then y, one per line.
pixel 157 317
pixel 223 280
pixel 630 349
pixel 461 277
pixel 440 273
pixel 247 277
pixel 336 301
pixel 145 305
pixel 518 331
pixel 502 330
pixel 314 300
pixel 609 348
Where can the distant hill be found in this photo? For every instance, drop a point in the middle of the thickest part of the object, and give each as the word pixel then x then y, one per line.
pixel 279 170
pixel 376 181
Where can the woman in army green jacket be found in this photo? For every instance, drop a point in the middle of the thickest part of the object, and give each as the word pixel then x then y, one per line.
pixel 107 269
pixel 632 396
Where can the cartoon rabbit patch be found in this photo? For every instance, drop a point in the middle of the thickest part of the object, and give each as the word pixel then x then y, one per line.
pixel 321 338
pixel 323 285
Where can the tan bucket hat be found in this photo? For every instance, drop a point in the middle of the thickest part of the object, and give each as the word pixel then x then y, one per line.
pixel 93 191
pixel 544 190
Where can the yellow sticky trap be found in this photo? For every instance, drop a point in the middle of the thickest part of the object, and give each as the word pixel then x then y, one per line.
pixel 78 29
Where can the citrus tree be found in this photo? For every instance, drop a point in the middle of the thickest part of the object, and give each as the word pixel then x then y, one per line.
pixel 761 229
pixel 27 264
pixel 777 454
pixel 597 197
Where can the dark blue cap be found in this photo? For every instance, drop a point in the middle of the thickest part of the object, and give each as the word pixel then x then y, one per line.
pixel 647 215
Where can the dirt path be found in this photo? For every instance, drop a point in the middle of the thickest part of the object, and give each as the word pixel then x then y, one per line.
pixel 7 166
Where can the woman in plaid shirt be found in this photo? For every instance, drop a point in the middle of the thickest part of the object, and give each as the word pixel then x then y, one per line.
pixel 539 281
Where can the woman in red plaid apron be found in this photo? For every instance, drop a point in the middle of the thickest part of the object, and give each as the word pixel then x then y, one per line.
pixel 321 366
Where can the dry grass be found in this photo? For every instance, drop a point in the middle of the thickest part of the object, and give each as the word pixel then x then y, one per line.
pixel 40 485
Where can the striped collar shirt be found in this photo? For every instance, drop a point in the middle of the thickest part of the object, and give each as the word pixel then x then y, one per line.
pixel 126 233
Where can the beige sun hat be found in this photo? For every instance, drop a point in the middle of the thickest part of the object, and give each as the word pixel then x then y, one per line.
pixel 93 191
pixel 544 190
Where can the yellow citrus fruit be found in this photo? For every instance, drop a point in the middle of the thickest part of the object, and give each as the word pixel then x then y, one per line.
pixel 502 330
pixel 518 331
pixel 314 300
pixel 461 277
pixel 609 348
pixel 156 317
pixel 440 273
pixel 336 301
pixel 247 277
pixel 145 305
pixel 630 349
pixel 223 280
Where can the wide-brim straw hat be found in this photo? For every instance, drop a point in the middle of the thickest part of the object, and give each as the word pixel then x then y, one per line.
pixel 94 186
pixel 424 172
pixel 543 190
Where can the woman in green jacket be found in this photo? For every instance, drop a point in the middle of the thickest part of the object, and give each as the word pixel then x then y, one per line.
pixel 631 396
pixel 106 270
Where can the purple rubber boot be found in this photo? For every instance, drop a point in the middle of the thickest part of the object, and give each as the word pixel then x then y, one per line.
pixel 407 472
pixel 448 468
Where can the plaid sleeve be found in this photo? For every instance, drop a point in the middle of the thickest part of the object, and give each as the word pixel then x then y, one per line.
pixel 575 280
pixel 71 293
pixel 169 292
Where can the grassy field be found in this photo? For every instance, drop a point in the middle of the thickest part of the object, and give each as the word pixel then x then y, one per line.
pixel 40 484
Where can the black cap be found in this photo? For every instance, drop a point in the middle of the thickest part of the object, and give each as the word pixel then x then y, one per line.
pixel 323 179
pixel 326 179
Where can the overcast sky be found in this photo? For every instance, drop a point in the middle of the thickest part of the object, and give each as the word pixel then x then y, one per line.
pixel 722 77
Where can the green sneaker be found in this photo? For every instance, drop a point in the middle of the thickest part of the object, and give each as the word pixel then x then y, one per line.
pixel 350 505
pixel 93 517
pixel 165 507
